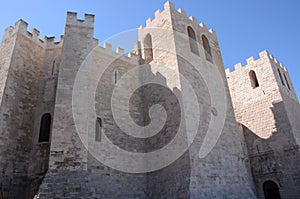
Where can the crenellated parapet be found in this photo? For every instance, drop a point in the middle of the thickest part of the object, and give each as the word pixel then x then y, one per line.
pixel 264 55
pixel 88 22
pixel 51 42
pixel 73 20
pixel 119 52
pixel 277 62
pixel 201 25
pixel 21 27
pixel 169 7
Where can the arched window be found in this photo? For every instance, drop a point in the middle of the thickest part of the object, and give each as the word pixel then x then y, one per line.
pixel 271 190
pixel 98 129
pixel 206 47
pixel 281 77
pixel 192 40
pixel 287 82
pixel 45 128
pixel 253 79
pixel 148 49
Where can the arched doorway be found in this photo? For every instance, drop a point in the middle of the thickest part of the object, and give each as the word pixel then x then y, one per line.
pixel 271 190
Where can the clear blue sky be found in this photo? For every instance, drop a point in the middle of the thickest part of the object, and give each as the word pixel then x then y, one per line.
pixel 244 28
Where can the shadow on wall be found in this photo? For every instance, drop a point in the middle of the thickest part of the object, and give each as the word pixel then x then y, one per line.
pixel 272 159
pixel 173 180
pixel 282 136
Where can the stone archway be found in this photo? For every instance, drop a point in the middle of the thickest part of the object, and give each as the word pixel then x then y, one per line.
pixel 271 190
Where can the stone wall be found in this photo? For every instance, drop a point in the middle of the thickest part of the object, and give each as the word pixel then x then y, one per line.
pixel 211 175
pixel 24 69
pixel 68 156
pixel 189 176
pixel 75 151
pixel 265 115
pixel 74 80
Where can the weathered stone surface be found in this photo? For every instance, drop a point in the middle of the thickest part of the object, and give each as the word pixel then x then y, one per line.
pixel 267 116
pixel 26 65
pixel 74 81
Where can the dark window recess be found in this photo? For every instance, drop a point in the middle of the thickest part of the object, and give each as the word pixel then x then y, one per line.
pixel 45 128
pixel 281 77
pixel 116 77
pixel 287 82
pixel 192 40
pixel 207 48
pixel 99 127
pixel 253 79
pixel 53 68
pixel 148 49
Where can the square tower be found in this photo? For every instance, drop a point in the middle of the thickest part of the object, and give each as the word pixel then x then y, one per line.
pixel 266 106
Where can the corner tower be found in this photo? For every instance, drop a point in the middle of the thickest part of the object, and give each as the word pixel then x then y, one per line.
pixel 266 106
pixel 27 93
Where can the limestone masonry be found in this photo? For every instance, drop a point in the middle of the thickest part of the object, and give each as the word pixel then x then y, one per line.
pixel 237 133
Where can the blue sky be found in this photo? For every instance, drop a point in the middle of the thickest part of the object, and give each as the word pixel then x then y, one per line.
pixel 244 28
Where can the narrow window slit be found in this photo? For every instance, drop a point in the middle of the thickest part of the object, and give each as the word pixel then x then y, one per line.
pixel 99 129
pixel 281 77
pixel 53 67
pixel 287 82
pixel 116 77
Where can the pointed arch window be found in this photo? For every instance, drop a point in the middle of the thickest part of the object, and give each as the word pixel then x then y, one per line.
pixel 253 79
pixel 280 76
pixel 207 49
pixel 99 129
pixel 45 128
pixel 148 49
pixel 192 40
pixel 287 82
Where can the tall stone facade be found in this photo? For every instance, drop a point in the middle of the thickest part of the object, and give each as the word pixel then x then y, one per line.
pixel 62 136
pixel 267 108
pixel 29 70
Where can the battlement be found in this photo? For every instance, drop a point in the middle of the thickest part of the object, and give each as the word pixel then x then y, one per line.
pixel 194 20
pixel 51 42
pixel 169 6
pixel 120 52
pixel 88 20
pixel 21 27
pixel 277 62
pixel 251 60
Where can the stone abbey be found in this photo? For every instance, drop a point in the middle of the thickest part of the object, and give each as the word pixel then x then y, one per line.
pixel 60 136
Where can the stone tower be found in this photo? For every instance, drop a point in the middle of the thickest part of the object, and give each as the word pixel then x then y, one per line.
pixel 29 70
pixel 266 106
